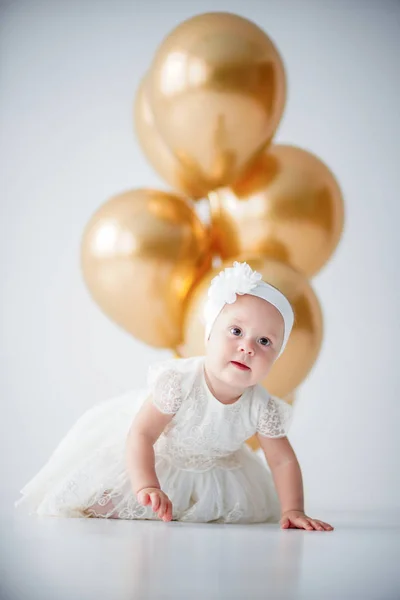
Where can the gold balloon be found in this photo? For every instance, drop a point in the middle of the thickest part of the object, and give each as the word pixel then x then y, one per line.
pixel 141 253
pixel 288 206
pixel 217 91
pixel 158 153
pixel 253 441
pixel 305 340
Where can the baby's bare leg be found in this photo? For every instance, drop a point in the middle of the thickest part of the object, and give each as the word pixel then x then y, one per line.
pixel 104 508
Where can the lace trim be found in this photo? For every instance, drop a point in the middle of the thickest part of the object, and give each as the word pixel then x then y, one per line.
pixel 167 393
pixel 274 418
pixel 106 507
pixel 181 459
pixel 235 515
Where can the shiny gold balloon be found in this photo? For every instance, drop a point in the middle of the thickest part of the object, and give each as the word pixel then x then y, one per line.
pixel 217 92
pixel 141 253
pixel 305 340
pixel 253 441
pixel 288 206
pixel 162 159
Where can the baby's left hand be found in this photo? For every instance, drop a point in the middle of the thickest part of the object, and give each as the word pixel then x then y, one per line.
pixel 295 519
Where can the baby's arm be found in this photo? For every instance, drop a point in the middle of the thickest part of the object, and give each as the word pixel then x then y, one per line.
pixel 285 470
pixel 146 428
pixel 288 480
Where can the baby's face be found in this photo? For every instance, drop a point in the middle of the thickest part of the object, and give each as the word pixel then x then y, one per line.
pixel 245 341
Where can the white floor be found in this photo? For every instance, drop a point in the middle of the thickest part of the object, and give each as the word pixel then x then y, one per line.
pixel 82 559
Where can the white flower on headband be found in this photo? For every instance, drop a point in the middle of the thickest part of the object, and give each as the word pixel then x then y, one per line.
pixel 239 279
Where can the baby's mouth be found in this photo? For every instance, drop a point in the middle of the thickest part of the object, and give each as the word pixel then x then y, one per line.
pixel 240 366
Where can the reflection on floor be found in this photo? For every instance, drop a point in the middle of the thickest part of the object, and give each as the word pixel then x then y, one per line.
pixel 60 559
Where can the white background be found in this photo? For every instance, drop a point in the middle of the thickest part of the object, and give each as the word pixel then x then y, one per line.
pixel 69 72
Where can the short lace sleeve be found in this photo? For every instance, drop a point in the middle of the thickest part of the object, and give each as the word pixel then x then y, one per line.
pixel 165 386
pixel 275 417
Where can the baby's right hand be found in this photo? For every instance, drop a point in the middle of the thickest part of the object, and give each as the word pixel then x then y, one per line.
pixel 160 503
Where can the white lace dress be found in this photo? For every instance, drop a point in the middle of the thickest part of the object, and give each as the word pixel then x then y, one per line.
pixel 202 461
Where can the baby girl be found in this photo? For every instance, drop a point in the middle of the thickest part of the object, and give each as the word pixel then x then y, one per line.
pixel 177 449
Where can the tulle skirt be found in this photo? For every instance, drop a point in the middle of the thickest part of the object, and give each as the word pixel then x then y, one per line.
pixel 86 476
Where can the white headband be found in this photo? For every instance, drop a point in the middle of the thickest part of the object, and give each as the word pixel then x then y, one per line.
pixel 241 279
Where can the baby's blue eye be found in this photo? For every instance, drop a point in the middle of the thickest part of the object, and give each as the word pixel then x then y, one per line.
pixel 236 331
pixel 265 342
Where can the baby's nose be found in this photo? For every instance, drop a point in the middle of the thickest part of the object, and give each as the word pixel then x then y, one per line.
pixel 247 348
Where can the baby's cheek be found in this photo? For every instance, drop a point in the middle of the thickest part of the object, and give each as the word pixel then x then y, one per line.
pixel 222 347
pixel 219 353
pixel 262 367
